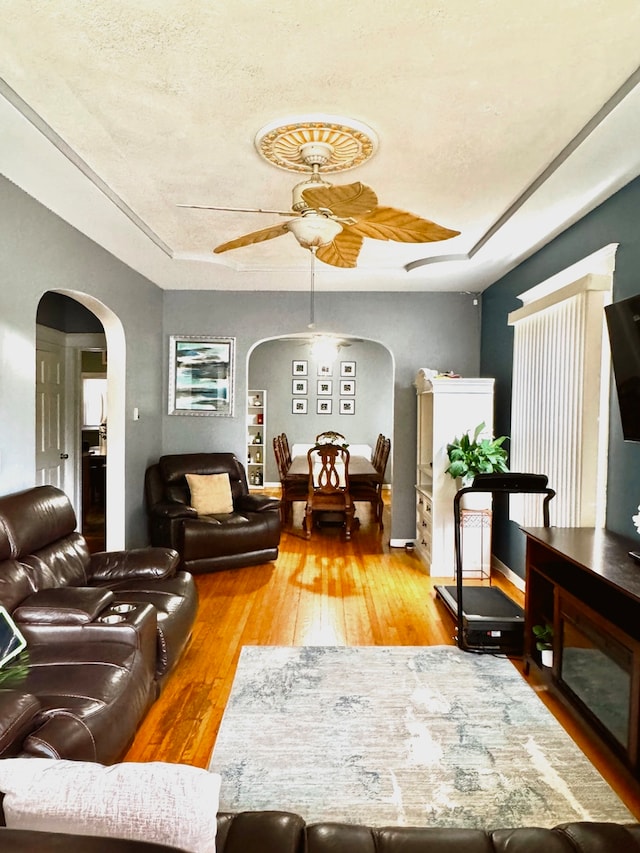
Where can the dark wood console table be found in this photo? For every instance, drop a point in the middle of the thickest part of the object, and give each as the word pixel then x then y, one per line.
pixel 584 583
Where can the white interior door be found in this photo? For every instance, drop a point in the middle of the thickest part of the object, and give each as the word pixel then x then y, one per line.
pixel 51 455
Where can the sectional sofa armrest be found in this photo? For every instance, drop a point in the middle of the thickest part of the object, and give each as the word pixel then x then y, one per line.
pixel 67 605
pixel 18 713
pixel 140 563
pixel 256 503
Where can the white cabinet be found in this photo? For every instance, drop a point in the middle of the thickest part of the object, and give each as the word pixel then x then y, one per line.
pixel 256 426
pixel 446 409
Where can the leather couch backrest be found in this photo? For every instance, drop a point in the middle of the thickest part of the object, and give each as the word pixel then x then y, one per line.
pixel 15 584
pixel 35 518
pixel 39 525
pixel 174 467
pixel 62 563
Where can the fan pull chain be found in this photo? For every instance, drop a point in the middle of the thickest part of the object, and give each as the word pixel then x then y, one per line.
pixel 312 305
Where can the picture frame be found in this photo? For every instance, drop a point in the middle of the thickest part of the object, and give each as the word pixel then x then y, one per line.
pixel 325 368
pixel 347 387
pixel 201 375
pixel 298 386
pixel 348 406
pixel 299 406
pixel 299 368
pixel 324 407
pixel 324 387
pixel 348 369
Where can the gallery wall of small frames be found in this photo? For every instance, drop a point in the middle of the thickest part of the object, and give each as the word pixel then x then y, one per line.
pixel 333 389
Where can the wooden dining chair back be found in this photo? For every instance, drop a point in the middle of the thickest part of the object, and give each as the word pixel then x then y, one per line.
pixel 331 437
pixel 383 458
pixel 290 490
pixel 328 486
pixel 286 449
pixel 370 491
pixel 377 450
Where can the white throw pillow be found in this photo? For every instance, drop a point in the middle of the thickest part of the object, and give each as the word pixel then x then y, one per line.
pixel 170 804
pixel 210 493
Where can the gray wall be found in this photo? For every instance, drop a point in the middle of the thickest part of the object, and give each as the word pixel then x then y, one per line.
pixel 439 330
pixel 270 368
pixel 615 221
pixel 40 252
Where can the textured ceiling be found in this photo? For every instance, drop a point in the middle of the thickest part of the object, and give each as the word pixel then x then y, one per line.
pixel 504 121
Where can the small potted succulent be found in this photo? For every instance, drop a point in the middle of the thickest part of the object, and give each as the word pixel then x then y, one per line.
pixel 544 642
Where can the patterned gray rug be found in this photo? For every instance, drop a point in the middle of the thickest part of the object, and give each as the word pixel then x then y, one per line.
pixel 400 735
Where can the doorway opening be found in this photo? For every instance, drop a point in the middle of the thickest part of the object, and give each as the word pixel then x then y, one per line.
pixel 82 327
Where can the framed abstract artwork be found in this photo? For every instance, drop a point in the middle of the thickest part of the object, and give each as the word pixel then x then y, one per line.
pixel 299 368
pixel 201 375
pixel 324 407
pixel 299 406
pixel 347 369
pixel 347 407
pixel 299 386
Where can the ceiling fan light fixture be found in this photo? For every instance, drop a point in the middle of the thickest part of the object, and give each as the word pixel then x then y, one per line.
pixel 313 230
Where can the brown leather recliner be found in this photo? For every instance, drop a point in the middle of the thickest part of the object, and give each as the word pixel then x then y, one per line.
pixel 248 536
pixel 103 632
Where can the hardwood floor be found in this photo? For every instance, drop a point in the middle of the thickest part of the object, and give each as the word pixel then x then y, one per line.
pixel 319 592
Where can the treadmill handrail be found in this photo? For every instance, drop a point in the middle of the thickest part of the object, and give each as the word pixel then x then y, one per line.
pixel 507 483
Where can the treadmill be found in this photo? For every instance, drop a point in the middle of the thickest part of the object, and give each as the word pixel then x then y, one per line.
pixel 487 619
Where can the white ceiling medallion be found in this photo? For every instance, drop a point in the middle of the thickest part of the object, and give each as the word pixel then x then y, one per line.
pixel 331 143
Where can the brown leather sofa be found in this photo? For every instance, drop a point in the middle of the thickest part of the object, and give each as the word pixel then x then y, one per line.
pixel 283 832
pixel 248 536
pixel 103 632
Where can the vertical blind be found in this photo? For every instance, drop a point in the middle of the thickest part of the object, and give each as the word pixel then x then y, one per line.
pixel 559 417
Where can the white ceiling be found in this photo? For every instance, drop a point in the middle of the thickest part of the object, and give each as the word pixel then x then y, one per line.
pixel 502 120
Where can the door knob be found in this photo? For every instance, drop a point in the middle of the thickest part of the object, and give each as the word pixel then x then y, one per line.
pixel 64 456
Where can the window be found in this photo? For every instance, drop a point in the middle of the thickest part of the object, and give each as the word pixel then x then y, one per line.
pixel 561 371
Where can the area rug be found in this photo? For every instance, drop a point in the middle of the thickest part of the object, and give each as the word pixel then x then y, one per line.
pixel 428 736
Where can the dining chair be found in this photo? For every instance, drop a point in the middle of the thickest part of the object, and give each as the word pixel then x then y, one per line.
pixel 370 491
pixel 286 449
pixel 328 486
pixel 375 456
pixel 330 437
pixel 290 491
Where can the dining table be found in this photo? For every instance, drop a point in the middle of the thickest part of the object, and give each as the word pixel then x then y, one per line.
pixel 360 469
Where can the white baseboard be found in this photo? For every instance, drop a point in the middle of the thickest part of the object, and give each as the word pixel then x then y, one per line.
pixel 498 566
pixel 401 543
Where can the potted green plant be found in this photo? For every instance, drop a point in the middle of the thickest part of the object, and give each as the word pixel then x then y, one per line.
pixel 469 456
pixel 544 642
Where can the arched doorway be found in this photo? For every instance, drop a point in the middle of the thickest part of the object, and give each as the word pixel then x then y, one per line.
pixel 371 371
pixel 72 449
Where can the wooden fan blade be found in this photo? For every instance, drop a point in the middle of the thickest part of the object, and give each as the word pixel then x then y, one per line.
pixel 254 237
pixel 349 201
pixel 236 209
pixel 387 223
pixel 343 251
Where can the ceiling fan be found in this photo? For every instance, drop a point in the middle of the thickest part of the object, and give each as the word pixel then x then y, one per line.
pixel 331 221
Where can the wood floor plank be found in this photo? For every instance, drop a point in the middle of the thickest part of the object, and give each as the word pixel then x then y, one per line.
pixel 321 591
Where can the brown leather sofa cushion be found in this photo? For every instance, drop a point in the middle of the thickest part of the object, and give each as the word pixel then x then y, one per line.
pixel 72 605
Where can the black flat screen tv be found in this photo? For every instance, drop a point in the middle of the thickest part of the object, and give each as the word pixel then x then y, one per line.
pixel 623 322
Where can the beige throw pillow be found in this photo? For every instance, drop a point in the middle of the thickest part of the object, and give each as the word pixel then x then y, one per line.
pixel 171 804
pixel 210 493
